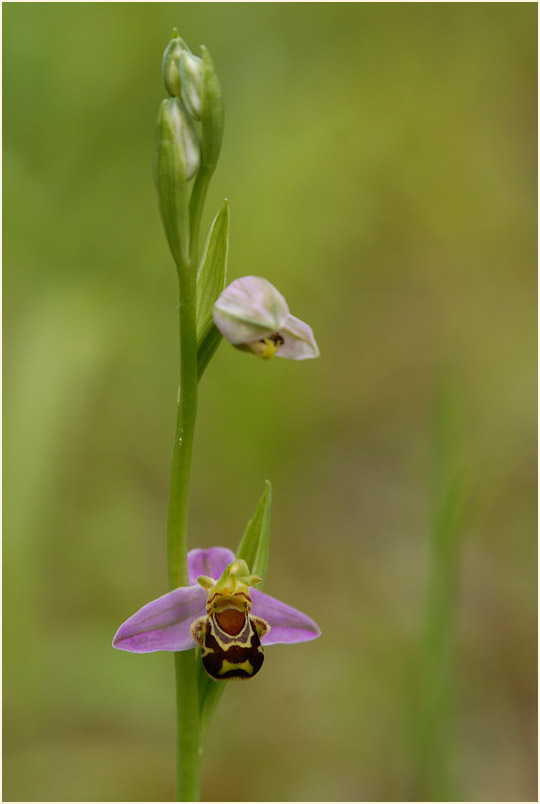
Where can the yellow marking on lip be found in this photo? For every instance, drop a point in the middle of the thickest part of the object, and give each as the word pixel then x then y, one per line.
pixel 226 666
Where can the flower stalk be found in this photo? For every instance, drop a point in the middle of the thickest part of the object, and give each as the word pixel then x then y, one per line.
pixel 187 709
pixel 179 158
pixel 177 162
pixel 185 429
pixel 209 603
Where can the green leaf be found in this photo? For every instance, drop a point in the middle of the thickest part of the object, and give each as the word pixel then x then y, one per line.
pixel 255 543
pixel 212 272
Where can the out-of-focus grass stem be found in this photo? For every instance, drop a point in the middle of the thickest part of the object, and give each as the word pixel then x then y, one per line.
pixel 436 754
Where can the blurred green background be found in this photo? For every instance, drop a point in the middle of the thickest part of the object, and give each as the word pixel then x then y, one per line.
pixel 380 164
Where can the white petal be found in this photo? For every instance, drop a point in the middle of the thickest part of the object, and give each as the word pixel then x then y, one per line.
pixel 300 343
pixel 250 308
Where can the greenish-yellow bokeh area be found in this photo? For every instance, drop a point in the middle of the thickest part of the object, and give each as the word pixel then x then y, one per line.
pixel 380 166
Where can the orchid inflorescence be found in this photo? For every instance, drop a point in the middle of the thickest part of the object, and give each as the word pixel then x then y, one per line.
pixel 212 619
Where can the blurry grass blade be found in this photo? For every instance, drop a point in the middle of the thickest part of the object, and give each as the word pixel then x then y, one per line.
pixel 255 543
pixel 213 269
pixel 207 344
pixel 433 718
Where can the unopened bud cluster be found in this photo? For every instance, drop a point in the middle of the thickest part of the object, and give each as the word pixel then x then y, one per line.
pixel 183 76
pixel 189 134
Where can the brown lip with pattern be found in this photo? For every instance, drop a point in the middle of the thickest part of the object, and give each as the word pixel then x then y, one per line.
pixel 231 621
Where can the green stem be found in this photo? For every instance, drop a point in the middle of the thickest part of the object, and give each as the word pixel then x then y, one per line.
pixel 188 723
pixel 188 758
pixel 185 427
pixel 187 701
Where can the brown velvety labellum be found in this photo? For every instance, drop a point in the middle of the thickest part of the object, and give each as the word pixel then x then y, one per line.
pixel 231 621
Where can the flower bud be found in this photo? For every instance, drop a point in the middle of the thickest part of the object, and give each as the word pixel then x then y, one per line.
pixel 170 66
pixel 177 158
pixel 211 113
pixel 191 82
pixel 178 144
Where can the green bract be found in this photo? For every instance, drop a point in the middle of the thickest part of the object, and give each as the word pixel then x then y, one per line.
pixel 210 283
pixel 255 544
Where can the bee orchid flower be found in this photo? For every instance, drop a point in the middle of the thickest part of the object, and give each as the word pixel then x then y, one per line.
pixel 253 315
pixel 219 611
